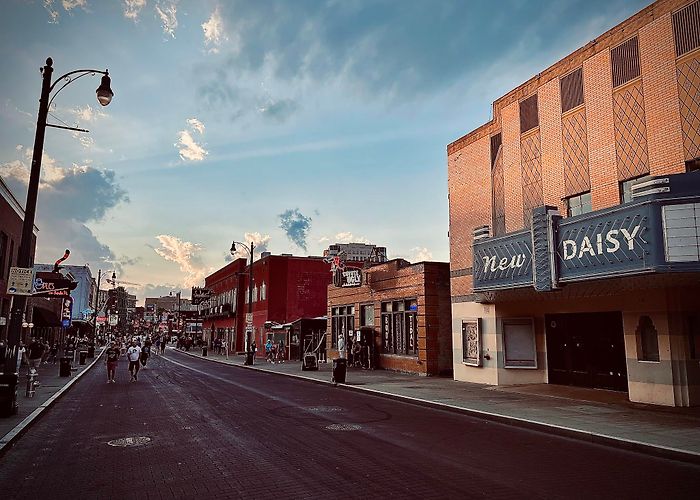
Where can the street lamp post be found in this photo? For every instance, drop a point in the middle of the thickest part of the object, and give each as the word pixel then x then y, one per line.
pixel 97 303
pixel 179 312
pixel 104 97
pixel 249 329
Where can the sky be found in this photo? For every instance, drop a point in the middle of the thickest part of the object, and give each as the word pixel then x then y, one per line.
pixel 293 124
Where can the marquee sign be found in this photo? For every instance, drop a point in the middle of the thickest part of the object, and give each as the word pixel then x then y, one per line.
pixel 344 277
pixel 503 262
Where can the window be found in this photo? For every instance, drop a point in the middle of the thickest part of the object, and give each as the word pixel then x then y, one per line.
pixel 263 291
pixel 342 323
pixel 692 165
pixel 626 188
pixel 255 293
pixel 571 87
pixel 400 327
pixel 625 62
pixel 519 344
pixel 579 204
pixel 367 315
pixel 647 340
pixel 528 114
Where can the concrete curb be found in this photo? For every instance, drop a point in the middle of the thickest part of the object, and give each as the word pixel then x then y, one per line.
pixel 568 432
pixel 9 439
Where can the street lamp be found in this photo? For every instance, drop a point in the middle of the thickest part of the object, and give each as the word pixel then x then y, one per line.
pixel 249 329
pixel 104 97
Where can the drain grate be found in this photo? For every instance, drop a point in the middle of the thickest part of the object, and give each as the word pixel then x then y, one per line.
pixel 129 441
pixel 343 427
pixel 325 409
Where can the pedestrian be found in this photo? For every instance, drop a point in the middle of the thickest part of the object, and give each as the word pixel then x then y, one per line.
pixel 254 348
pixel 163 343
pixel 341 346
pixel 157 346
pixel 268 351
pixel 53 353
pixel 133 353
pixel 145 352
pixel 281 353
pixel 35 352
pixel 111 361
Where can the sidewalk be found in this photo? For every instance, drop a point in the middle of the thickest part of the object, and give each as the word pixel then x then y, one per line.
pixel 51 388
pixel 598 416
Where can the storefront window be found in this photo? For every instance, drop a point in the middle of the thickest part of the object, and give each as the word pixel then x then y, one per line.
pixel 367 315
pixel 342 322
pixel 519 343
pixel 400 327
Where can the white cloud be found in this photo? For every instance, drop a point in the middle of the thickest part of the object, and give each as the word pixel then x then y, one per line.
pixel 68 5
pixel 132 9
pixel 53 13
pixel 88 113
pixel 420 254
pixel 214 33
pixel 196 125
pixel 260 242
pixel 344 237
pixel 186 255
pixel 188 148
pixel 167 11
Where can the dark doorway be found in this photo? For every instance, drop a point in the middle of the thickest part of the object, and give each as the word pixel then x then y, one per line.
pixel 586 350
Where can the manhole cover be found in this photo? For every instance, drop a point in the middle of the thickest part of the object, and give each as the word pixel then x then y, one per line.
pixel 325 409
pixel 343 427
pixel 129 441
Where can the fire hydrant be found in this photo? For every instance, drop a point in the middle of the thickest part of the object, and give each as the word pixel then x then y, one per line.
pixel 31 384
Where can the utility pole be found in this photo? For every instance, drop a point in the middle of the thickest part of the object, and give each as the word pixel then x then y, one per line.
pixel 97 303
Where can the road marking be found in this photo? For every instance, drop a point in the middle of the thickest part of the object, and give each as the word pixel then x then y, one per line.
pixel 129 441
pixel 343 427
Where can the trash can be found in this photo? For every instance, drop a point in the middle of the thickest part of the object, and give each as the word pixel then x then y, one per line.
pixel 248 358
pixel 204 351
pixel 83 357
pixel 64 367
pixel 340 366
pixel 8 394
pixel 91 351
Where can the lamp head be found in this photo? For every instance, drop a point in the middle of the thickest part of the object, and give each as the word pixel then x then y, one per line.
pixel 104 91
pixel 233 248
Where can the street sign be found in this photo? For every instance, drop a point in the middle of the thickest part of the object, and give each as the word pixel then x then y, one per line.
pixel 20 281
pixel 113 320
pixel 199 295
pixel 67 312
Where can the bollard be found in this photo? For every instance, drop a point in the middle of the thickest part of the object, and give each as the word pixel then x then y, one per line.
pixel 31 384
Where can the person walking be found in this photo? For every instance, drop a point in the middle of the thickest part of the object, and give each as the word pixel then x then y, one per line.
pixel 133 353
pixel 53 353
pixel 111 361
pixel 163 343
pixel 341 346
pixel 35 352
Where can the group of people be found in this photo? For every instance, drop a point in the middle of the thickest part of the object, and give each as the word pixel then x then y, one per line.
pixel 137 353
pixel 274 353
pixel 358 354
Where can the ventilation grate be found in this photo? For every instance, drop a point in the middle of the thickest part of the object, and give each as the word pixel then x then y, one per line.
pixel 571 90
pixel 625 62
pixel 686 28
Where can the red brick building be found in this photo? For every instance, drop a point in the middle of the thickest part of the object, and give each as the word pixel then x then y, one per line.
pixel 11 220
pixel 401 310
pixel 285 288
pixel 573 275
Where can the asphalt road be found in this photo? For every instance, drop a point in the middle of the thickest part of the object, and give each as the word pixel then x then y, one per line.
pixel 221 431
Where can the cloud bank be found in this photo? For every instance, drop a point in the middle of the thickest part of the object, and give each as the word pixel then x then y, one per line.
pixel 186 255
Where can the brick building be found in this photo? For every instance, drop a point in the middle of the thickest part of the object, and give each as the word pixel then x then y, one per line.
pixel 401 310
pixel 574 219
pixel 285 288
pixel 11 220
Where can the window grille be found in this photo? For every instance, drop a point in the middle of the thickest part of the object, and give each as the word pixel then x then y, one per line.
pixel 625 62
pixel 686 28
pixel 528 114
pixel 571 90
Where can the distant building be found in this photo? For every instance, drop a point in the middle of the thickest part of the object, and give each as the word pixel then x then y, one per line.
pixel 357 252
pixel 84 294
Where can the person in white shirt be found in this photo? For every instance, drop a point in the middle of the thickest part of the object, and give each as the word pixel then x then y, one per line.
pixel 133 353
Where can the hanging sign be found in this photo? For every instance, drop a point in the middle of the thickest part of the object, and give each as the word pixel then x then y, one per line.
pixel 20 280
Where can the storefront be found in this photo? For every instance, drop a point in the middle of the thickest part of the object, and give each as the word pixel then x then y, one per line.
pixel 607 299
pixel 394 315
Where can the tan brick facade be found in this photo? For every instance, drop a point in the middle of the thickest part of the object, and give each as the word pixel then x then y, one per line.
pixel 640 115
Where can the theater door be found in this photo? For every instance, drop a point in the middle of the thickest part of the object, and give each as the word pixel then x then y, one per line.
pixel 586 350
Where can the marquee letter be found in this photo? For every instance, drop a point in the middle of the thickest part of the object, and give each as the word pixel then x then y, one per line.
pixel 599 242
pixel 569 244
pixel 611 237
pixel 490 262
pixel 630 237
pixel 586 247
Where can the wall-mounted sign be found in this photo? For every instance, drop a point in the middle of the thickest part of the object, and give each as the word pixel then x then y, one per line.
pixel 344 277
pixel 351 277
pixel 66 312
pixel 503 262
pixel 471 342
pixel 20 280
pixel 615 242
pixel 52 285
pixel 199 295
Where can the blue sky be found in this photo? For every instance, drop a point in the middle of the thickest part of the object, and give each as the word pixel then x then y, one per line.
pixel 292 123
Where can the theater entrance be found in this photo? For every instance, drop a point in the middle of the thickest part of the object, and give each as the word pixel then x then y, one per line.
pixel 586 350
